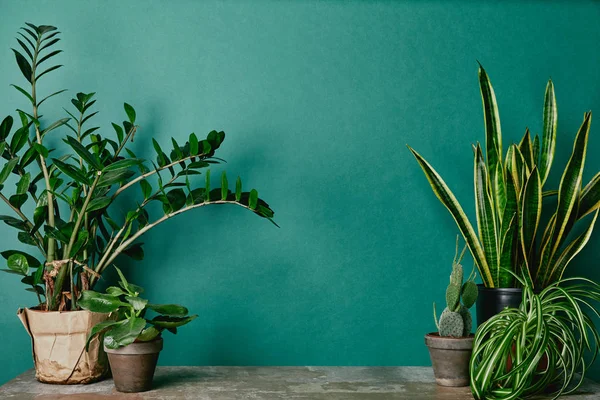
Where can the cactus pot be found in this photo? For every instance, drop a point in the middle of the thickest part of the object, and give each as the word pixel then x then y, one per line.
pixel 491 301
pixel 450 358
pixel 133 365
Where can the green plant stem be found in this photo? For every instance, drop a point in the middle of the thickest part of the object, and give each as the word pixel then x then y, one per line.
pixel 51 242
pixel 126 139
pixel 108 260
pixel 60 277
pixel 28 224
pixel 150 173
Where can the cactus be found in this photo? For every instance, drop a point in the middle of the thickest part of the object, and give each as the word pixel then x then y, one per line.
pixel 456 318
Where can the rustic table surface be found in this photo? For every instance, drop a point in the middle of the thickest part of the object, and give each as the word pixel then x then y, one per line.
pixel 268 383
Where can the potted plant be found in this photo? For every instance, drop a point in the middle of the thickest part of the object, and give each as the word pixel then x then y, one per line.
pixel 450 347
pixel 132 341
pixel 509 190
pixel 74 232
pixel 539 346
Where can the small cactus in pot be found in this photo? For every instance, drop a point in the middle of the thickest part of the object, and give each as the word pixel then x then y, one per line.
pixel 450 348
pixel 456 318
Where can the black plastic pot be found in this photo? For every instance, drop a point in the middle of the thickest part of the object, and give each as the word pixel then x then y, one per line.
pixel 491 301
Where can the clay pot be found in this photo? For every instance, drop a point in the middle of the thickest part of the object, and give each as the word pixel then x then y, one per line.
pixel 133 365
pixel 450 358
pixel 58 345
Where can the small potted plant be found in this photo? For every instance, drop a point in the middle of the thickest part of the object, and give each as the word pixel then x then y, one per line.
pixel 543 347
pixel 132 340
pixel 450 348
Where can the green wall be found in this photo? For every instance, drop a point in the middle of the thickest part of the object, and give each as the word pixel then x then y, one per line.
pixel 318 99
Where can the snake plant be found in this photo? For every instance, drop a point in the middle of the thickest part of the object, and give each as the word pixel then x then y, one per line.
pixel 70 193
pixel 509 189
pixel 538 347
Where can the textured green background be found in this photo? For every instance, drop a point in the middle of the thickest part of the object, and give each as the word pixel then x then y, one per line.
pixel 318 99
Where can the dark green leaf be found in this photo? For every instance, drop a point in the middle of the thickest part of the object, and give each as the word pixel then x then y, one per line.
pixel 37 78
pixel 253 199
pixel 135 251
pixel 148 334
pixel 26 238
pixel 115 291
pixel 51 95
pixel 101 327
pixel 98 302
pixel 176 198
pixel 55 125
pixel 17 200
pixel 119 131
pixel 19 139
pixel 193 144
pixel 98 203
pixel 48 56
pixel 136 302
pixel 30 155
pixel 71 171
pixel 125 334
pixel 5 127
pixel 130 113
pixel 171 310
pixel 125 163
pixel 115 176
pixel 39 274
pixel 14 222
pixel 164 321
pixel 24 92
pixel 88 157
pixel 238 189
pixel 207 186
pixel 36 289
pixel 224 186
pixel 146 189
pixel 43 151
pixel 23 184
pixel 7 169
pixel 24 65
pixel 25 47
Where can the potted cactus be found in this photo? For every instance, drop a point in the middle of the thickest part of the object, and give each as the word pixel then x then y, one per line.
pixel 450 348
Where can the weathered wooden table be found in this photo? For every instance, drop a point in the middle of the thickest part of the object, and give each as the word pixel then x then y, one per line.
pixel 266 383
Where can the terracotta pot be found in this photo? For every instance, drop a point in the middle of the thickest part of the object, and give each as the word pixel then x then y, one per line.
pixel 58 344
pixel 450 358
pixel 133 365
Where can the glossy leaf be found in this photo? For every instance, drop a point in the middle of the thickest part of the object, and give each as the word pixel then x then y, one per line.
pixel 98 302
pixel 55 125
pixel 125 163
pixel 253 199
pixel 112 177
pixel 5 127
pixel 176 199
pixel 24 93
pixel 224 186
pixel 167 322
pixel 19 139
pixel 98 203
pixel 82 152
pixel 24 65
pixel 100 328
pixel 238 189
pixel 148 334
pixel 18 263
pixel 7 169
pixel 130 113
pixel 171 310
pixel 71 171
pixel 137 303
pixel 589 199
pixel 124 334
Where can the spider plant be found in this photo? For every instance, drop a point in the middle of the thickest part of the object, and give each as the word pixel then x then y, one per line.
pixel 70 194
pixel 523 351
pixel 509 190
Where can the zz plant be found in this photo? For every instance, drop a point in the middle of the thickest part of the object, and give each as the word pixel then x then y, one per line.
pixel 509 189
pixel 131 323
pixel 522 352
pixel 70 193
